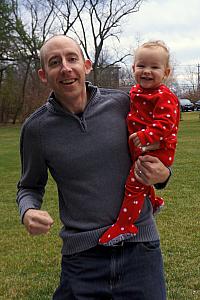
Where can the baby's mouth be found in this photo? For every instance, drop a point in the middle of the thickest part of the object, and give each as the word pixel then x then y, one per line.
pixel 146 78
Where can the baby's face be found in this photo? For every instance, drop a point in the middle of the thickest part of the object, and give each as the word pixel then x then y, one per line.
pixel 150 67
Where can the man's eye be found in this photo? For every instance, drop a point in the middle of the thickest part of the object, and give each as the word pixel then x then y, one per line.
pixel 73 59
pixel 54 62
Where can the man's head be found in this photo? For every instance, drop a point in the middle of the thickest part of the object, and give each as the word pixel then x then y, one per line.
pixel 63 68
pixel 42 49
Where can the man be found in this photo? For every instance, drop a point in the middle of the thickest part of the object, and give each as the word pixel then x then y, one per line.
pixel 80 135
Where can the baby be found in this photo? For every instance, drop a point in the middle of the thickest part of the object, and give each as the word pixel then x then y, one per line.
pixel 154 117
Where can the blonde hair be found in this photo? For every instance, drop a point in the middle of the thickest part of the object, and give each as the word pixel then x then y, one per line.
pixel 157 44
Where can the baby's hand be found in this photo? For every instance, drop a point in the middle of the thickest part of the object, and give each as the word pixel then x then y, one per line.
pixel 135 139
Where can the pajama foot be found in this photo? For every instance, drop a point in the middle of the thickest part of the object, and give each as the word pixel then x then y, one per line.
pixel 158 206
pixel 116 234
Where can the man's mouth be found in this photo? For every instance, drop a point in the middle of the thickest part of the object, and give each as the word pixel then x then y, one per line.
pixel 67 81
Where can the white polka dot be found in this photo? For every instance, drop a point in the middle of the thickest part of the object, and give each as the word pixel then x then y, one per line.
pixel 162 107
pixel 144 103
pixel 170 158
pixel 164 127
pixel 132 179
pixel 125 209
pixel 109 236
pixel 129 218
pixel 168 101
pixel 154 125
pixel 122 228
pixel 151 133
pixel 150 94
pixel 161 138
pixel 168 116
pixel 150 113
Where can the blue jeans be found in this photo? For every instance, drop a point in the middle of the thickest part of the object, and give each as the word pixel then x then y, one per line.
pixel 129 271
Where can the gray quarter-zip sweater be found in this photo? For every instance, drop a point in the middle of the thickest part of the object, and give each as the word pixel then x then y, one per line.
pixel 88 158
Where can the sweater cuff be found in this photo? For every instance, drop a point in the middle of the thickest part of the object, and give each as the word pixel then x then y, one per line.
pixel 162 185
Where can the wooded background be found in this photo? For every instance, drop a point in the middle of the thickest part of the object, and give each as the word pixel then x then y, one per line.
pixel 25 24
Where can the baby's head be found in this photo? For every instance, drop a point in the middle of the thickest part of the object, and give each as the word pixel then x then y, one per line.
pixel 151 64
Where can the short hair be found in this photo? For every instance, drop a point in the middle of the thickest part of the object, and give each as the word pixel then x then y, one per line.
pixel 157 44
pixel 41 53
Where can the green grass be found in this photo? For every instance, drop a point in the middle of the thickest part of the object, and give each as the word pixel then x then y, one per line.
pixel 30 266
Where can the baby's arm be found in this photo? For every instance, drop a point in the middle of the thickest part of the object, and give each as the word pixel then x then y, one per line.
pixel 165 118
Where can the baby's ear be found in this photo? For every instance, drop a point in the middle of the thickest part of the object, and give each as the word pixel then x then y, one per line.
pixel 167 72
pixel 133 68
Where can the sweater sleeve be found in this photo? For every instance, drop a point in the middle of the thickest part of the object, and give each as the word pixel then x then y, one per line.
pixel 31 186
pixel 165 116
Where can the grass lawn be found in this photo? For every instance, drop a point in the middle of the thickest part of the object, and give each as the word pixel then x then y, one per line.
pixel 30 266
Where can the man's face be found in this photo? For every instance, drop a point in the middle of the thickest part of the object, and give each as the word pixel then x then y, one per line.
pixel 64 68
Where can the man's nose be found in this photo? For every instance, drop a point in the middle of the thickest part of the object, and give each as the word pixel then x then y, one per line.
pixel 65 66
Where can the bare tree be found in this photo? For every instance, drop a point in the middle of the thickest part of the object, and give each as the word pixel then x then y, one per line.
pixel 96 24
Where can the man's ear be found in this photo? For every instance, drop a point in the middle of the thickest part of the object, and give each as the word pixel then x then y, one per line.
pixel 88 66
pixel 42 76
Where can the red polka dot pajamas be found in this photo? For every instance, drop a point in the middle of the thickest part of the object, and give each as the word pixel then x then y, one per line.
pixel 154 115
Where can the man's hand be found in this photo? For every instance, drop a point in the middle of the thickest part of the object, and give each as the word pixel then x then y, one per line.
pixel 37 221
pixel 149 170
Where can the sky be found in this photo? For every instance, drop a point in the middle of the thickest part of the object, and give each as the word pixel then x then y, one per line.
pixel 176 22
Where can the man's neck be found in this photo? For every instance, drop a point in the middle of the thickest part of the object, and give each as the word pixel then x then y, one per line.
pixel 74 106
